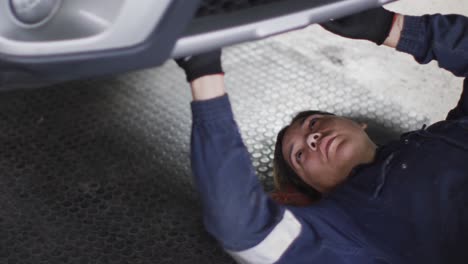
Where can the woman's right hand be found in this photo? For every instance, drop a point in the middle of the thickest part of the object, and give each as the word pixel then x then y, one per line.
pixel 373 25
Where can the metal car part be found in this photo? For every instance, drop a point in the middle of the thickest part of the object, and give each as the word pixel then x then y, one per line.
pixel 217 31
pixel 78 26
pixel 32 13
pixel 89 38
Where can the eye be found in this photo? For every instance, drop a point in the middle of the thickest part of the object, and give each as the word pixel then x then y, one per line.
pixel 299 156
pixel 312 122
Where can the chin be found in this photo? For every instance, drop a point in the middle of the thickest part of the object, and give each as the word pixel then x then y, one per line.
pixel 347 155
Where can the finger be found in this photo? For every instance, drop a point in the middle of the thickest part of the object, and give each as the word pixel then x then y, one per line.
pixel 332 26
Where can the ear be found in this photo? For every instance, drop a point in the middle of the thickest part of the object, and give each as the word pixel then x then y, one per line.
pixel 363 126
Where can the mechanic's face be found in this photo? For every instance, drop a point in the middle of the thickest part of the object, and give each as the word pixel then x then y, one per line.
pixel 323 149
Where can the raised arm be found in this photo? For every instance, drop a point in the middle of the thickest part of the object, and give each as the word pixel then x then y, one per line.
pixel 437 37
pixel 431 37
pixel 443 38
pixel 236 210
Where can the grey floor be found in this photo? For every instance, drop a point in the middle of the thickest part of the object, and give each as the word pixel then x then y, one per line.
pixel 98 171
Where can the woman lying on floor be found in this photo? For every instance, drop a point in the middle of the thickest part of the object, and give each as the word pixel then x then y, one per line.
pixel 405 202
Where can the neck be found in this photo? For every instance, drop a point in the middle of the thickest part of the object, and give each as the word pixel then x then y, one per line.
pixel 371 153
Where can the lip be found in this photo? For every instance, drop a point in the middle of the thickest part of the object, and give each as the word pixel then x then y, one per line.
pixel 325 146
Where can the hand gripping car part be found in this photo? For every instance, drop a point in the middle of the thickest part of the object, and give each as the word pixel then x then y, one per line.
pixel 58 40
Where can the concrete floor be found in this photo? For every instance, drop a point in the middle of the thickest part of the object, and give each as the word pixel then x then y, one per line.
pixel 420 7
pixel 389 75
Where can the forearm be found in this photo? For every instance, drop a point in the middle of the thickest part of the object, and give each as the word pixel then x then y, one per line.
pixel 208 87
pixel 395 33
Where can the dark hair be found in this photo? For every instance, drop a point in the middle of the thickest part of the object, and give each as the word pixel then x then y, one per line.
pixel 284 175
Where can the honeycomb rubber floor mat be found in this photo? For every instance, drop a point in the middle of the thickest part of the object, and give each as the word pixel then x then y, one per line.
pixel 98 171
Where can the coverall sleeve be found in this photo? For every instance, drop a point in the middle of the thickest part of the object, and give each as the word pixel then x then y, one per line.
pixel 437 37
pixel 236 210
pixel 443 38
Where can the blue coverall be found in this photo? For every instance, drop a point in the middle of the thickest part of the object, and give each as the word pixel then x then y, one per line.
pixel 409 206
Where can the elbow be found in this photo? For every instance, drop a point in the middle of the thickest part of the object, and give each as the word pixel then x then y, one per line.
pixel 240 227
pixel 230 232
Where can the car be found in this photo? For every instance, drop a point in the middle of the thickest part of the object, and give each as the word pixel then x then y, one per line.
pixel 49 41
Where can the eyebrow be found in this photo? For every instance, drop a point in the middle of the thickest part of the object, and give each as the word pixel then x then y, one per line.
pixel 290 153
pixel 304 119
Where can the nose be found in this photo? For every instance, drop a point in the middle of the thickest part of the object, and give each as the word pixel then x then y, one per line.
pixel 312 140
